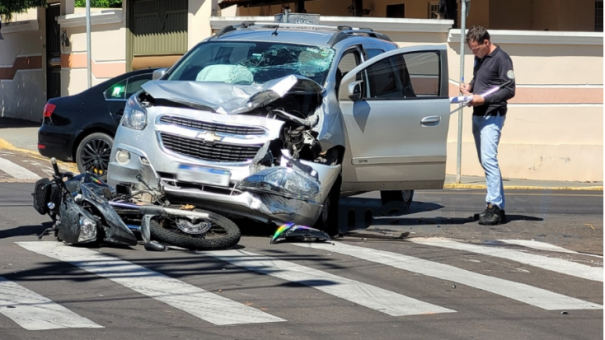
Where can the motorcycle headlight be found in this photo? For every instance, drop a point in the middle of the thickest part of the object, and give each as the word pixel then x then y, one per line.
pixel 282 181
pixel 135 116
pixel 88 229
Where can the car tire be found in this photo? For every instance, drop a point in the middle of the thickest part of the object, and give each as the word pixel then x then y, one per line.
pixel 396 200
pixel 328 220
pixel 93 154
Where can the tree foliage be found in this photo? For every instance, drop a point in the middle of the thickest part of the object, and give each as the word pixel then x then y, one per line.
pixel 99 3
pixel 10 7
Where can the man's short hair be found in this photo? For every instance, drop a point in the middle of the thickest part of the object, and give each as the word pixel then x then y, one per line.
pixel 477 33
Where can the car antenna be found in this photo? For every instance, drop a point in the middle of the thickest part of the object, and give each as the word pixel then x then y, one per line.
pixel 275 32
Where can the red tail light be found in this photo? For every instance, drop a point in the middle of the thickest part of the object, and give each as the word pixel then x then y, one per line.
pixel 41 146
pixel 48 110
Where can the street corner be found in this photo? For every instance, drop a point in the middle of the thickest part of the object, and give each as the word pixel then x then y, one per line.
pixel 25 166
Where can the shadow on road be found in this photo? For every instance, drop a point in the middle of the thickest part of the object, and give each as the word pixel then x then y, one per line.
pixel 26 230
pixel 445 220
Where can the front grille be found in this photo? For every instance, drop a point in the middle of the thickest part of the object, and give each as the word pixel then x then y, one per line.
pixel 213 127
pixel 215 152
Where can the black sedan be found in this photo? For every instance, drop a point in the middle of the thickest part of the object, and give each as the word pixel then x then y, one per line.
pixel 81 127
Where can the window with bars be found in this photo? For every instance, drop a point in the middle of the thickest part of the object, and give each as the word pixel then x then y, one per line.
pixel 598 16
pixel 433 12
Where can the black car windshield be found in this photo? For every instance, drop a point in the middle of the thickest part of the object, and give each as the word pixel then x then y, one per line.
pixel 249 63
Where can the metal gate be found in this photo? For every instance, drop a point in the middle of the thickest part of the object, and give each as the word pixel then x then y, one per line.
pixel 158 32
pixel 53 52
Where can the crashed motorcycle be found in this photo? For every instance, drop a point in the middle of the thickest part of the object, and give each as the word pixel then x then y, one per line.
pixel 85 210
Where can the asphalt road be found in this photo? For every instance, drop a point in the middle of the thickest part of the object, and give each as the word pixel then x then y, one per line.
pixel 449 278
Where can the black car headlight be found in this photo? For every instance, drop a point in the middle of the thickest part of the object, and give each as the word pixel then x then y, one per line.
pixel 135 115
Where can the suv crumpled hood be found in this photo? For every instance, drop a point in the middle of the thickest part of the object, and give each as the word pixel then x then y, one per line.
pixel 231 98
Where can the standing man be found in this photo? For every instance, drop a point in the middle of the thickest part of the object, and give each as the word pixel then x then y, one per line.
pixel 493 68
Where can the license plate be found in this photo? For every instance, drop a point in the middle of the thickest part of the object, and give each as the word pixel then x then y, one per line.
pixel 202 175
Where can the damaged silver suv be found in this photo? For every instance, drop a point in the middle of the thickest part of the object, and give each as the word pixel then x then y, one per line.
pixel 274 121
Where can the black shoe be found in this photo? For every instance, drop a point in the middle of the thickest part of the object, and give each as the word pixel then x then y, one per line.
pixel 493 216
pixel 480 215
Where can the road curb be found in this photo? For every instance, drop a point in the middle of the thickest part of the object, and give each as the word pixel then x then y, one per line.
pixel 4 145
pixel 521 187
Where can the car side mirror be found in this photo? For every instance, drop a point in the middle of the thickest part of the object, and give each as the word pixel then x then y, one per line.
pixel 354 89
pixel 159 73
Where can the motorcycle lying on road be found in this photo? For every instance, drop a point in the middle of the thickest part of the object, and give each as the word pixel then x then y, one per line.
pixel 85 210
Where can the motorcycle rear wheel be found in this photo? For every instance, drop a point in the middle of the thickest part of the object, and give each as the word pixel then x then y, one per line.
pixel 223 234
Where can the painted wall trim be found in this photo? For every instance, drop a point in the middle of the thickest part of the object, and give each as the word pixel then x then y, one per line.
pixel 103 69
pixel 20 63
pixel 537 37
pixel 20 26
pixel 377 24
pixel 96 18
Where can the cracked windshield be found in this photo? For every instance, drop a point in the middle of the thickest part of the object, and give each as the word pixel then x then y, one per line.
pixel 246 63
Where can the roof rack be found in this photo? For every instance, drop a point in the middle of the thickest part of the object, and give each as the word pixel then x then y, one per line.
pixel 227 29
pixel 343 31
pixel 343 34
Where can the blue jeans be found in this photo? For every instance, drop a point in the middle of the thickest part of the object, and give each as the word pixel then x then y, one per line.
pixel 487 131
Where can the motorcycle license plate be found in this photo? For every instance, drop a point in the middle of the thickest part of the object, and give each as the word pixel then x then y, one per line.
pixel 202 175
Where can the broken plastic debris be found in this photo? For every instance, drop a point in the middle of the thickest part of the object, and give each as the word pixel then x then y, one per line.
pixel 291 232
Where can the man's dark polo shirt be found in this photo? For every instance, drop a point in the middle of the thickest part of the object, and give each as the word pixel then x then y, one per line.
pixel 491 71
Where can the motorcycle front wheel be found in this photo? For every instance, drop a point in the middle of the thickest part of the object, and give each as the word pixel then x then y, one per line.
pixel 223 233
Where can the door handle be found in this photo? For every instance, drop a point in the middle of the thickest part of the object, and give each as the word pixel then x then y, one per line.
pixel 430 120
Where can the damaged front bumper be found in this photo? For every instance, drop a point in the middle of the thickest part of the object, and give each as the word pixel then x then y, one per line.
pixel 247 194
pixel 228 152
pixel 259 204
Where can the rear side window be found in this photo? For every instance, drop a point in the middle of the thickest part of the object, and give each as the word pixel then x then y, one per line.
pixel 117 91
pixel 410 75
pixel 127 87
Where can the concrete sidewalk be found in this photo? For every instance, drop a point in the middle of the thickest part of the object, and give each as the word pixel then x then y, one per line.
pixel 22 136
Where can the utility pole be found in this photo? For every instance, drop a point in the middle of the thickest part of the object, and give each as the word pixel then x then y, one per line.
pixel 88 48
pixel 463 14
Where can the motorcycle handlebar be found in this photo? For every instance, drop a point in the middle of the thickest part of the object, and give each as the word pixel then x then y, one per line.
pixel 55 167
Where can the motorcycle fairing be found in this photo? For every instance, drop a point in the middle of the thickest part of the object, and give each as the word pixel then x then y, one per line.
pixel 118 232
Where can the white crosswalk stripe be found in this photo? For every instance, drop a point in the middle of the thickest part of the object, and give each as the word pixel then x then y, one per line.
pixel 360 293
pixel 549 263
pixel 545 246
pixel 191 299
pixel 35 312
pixel 16 171
pixel 517 291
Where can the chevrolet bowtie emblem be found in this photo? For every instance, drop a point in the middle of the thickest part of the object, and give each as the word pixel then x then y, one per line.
pixel 209 137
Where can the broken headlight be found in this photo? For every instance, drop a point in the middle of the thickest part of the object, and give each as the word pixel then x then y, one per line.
pixel 282 181
pixel 88 229
pixel 135 115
